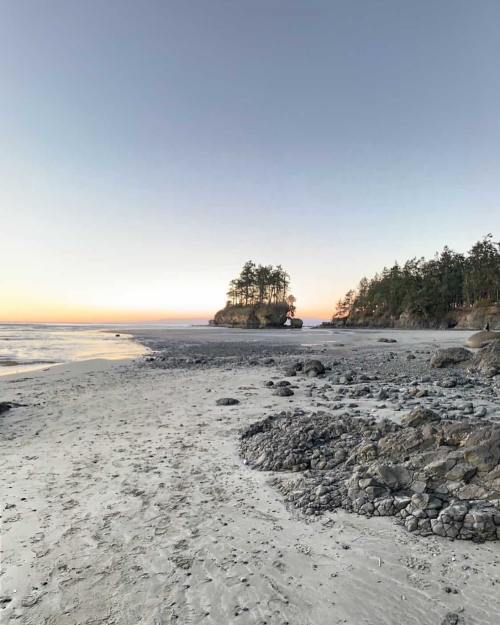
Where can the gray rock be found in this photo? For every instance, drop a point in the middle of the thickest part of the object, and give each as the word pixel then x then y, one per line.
pixel 227 401
pixel 315 366
pixel 5 406
pixel 482 339
pixel 419 416
pixel 487 360
pixel 450 356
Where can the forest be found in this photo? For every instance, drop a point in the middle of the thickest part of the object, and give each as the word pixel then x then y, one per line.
pixel 260 284
pixel 428 289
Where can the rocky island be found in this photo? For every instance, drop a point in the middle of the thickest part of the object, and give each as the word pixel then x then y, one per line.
pixel 258 298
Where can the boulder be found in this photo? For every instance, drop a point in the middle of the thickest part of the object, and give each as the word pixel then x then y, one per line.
pixel 484 457
pixel 450 356
pixel 313 368
pixel 482 339
pixel 420 416
pixel 487 360
pixel 394 476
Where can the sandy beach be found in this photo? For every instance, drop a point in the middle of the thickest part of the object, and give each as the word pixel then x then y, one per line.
pixel 125 500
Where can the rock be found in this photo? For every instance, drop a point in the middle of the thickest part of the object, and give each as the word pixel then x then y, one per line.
pixel 394 476
pixel 487 360
pixel 227 401
pixel 485 456
pixel 268 361
pixel 5 406
pixel 482 339
pixel 283 383
pixel 447 383
pixel 450 356
pixel 385 340
pixel 283 391
pixel 452 618
pixel 290 372
pixel 313 368
pixel 420 416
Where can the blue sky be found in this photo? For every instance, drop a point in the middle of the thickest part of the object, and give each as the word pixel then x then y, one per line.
pixel 150 148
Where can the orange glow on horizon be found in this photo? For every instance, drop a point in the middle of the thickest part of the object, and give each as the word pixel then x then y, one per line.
pixel 64 314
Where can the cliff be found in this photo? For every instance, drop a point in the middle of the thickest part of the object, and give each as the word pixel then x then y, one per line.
pixel 255 316
pixel 473 318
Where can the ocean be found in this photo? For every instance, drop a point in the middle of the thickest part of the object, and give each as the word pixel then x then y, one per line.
pixel 27 347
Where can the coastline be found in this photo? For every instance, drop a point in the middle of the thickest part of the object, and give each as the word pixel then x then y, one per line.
pixel 126 499
pixel 26 348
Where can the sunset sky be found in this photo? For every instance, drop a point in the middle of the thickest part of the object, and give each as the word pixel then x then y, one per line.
pixel 148 149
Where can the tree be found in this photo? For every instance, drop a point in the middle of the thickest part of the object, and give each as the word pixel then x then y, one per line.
pixel 260 284
pixel 429 288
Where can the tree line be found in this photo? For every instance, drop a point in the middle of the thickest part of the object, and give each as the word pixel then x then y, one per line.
pixel 260 284
pixel 429 288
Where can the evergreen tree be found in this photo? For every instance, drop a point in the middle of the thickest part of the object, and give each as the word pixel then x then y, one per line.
pixel 429 288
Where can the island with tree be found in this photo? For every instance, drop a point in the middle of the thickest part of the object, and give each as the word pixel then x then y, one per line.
pixel 258 298
pixel 450 290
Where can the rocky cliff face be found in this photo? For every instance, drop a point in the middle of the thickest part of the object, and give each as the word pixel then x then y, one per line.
pixel 474 318
pixel 258 316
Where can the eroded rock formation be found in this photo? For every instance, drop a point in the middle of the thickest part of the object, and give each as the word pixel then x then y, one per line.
pixel 255 316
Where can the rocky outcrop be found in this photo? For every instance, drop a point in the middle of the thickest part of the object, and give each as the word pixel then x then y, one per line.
pixel 252 317
pixel 478 316
pixel 474 318
pixel 481 339
pixel 434 476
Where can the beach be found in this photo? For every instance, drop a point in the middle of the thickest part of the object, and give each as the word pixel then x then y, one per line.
pixel 125 499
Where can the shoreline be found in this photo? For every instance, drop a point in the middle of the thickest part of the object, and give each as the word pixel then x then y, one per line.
pixel 35 350
pixel 126 499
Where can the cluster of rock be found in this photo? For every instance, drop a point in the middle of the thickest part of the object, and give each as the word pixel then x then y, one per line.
pixel 215 354
pixel 434 476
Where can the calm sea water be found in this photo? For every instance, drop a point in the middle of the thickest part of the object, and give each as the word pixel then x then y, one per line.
pixel 29 347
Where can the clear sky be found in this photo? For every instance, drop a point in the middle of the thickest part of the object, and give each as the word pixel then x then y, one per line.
pixel 149 148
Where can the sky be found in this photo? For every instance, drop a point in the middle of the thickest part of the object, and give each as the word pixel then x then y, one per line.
pixel 148 149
